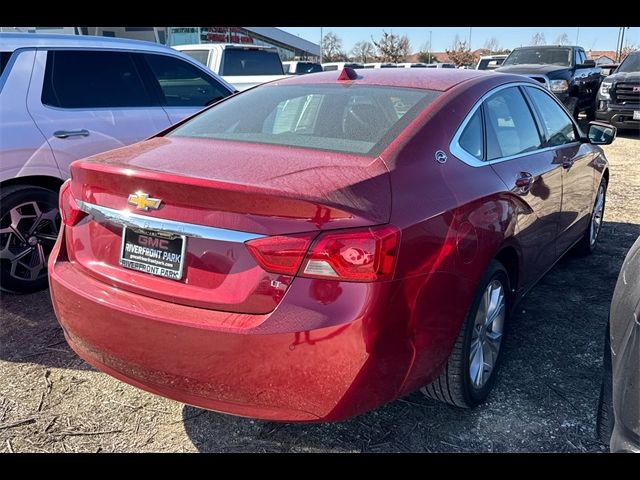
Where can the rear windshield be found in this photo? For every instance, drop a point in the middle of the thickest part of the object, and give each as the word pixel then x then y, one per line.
pixel 308 67
pixel 240 61
pixel 540 56
pixel 199 55
pixel 351 119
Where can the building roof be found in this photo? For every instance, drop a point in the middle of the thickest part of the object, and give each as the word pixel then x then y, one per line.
pixel 13 41
pixel 286 38
pixel 594 54
pixel 429 79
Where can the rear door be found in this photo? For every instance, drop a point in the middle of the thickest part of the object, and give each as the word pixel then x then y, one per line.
pixel 515 148
pixel 561 135
pixel 183 88
pixel 89 101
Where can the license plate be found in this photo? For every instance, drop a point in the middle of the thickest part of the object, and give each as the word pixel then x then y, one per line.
pixel 636 114
pixel 152 252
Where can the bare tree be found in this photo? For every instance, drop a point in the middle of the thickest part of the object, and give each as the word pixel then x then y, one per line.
pixel 538 39
pixel 627 50
pixel 492 45
pixel 363 51
pixel 563 39
pixel 392 48
pixel 460 54
pixel 425 54
pixel 332 48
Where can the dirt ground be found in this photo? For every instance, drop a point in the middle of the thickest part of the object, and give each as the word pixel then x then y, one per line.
pixel 545 397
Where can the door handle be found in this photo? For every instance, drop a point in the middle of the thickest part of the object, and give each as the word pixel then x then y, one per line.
pixel 567 163
pixel 71 133
pixel 524 182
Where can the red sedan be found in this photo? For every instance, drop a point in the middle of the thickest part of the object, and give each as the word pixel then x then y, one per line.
pixel 316 247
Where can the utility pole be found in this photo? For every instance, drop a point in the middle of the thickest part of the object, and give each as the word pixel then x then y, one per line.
pixel 622 41
pixel 577 36
pixel 321 45
pixel 430 46
pixel 470 37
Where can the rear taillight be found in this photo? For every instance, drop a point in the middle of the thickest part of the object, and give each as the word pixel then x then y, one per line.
pixel 69 210
pixel 280 254
pixel 364 255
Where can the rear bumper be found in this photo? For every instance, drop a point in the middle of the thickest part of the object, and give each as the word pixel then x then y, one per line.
pixel 258 366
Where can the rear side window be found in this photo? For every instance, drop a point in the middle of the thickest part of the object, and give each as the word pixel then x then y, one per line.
pixel 357 119
pixel 471 138
pixel 200 55
pixel 511 129
pixel 240 61
pixel 556 124
pixel 183 84
pixel 307 67
pixel 93 79
pixel 4 59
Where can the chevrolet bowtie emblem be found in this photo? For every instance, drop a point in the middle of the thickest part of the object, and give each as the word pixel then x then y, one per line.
pixel 142 201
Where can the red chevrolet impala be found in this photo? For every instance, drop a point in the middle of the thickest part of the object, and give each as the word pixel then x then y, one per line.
pixel 313 248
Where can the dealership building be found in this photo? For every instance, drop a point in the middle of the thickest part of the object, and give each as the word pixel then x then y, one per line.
pixel 289 46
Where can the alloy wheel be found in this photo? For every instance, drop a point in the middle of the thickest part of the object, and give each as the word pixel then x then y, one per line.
pixel 27 234
pixel 596 217
pixel 486 337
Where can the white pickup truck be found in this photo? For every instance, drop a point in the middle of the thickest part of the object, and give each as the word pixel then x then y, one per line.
pixel 243 66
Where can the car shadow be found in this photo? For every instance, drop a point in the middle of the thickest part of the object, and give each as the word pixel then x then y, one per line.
pixel 548 384
pixel 30 333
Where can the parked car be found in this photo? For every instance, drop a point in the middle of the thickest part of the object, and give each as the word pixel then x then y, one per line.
pixel 618 100
pixel 562 69
pixel 243 66
pixel 440 65
pixel 380 65
pixel 333 66
pixel 301 68
pixel 66 97
pixel 490 62
pixel 608 68
pixel 412 65
pixel 619 405
pixel 252 261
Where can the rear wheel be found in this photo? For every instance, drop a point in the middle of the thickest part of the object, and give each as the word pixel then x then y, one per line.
pixel 470 371
pixel 587 244
pixel 29 223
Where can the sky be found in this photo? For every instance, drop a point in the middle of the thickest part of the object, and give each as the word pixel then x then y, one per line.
pixel 591 38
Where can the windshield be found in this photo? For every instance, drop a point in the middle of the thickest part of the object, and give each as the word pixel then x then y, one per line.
pixel 540 56
pixel 630 64
pixel 245 61
pixel 351 119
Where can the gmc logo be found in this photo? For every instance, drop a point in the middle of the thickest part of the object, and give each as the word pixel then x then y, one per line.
pixel 153 242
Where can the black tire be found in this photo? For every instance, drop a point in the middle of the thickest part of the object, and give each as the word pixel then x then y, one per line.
pixel 13 197
pixel 585 246
pixel 605 417
pixel 454 385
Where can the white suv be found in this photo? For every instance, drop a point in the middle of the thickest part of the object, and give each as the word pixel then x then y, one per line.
pixel 66 97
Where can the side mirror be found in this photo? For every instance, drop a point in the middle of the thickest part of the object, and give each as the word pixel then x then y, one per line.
pixel 588 64
pixel 600 133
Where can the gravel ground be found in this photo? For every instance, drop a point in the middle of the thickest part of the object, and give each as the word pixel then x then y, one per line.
pixel 545 397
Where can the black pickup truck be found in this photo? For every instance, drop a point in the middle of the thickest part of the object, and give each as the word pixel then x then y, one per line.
pixel 619 95
pixel 562 69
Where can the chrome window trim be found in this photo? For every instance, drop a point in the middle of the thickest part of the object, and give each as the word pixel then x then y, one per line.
pixel 465 157
pixel 126 218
